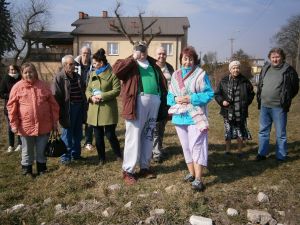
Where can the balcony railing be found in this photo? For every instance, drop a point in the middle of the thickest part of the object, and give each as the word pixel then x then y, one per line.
pixel 48 54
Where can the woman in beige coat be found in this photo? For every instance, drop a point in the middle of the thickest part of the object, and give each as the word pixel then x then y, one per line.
pixel 102 91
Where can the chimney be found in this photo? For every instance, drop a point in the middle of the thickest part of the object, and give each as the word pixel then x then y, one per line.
pixel 81 15
pixel 104 14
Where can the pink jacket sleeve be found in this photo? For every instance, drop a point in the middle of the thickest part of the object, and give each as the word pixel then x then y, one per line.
pixel 13 109
pixel 54 110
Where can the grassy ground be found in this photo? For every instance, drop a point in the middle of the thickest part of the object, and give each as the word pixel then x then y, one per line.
pixel 82 188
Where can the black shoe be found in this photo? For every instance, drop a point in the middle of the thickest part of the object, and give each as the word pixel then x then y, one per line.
pixel 27 170
pixel 157 160
pixel 119 159
pixel 260 157
pixel 281 160
pixel 146 173
pixel 189 178
pixel 241 155
pixel 197 185
pixel 101 162
pixel 80 158
pixel 41 168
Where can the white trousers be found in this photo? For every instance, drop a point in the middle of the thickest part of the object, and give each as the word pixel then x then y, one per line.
pixel 139 133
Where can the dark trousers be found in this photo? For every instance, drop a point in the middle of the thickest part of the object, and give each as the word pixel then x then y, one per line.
pixel 110 132
pixel 88 131
pixel 11 135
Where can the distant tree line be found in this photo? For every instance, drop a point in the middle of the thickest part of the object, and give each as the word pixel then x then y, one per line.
pixel 288 38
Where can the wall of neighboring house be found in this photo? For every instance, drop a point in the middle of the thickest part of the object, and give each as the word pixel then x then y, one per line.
pixel 47 70
pixel 124 47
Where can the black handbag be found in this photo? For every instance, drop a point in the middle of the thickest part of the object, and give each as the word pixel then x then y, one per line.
pixel 55 146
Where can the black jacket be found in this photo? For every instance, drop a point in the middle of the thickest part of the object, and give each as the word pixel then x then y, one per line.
pixel 289 88
pixel 5 87
pixel 246 95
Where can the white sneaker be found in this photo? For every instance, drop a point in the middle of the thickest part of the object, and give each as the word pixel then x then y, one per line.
pixel 18 148
pixel 10 149
pixel 89 147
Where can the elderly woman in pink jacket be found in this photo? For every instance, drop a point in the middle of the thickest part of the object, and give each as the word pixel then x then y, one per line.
pixel 33 113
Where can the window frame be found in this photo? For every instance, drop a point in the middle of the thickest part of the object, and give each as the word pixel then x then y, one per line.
pixel 168 47
pixel 109 48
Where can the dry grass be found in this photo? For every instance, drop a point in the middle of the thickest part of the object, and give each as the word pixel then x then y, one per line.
pixel 230 182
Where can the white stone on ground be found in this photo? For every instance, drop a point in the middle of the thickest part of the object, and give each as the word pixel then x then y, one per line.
pixel 157 212
pixel 128 204
pixel 199 220
pixel 262 197
pixel 232 212
pixel 257 216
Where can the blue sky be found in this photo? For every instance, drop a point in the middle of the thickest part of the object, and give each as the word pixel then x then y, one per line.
pixel 252 23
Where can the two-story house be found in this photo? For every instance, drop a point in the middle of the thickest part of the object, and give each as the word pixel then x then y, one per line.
pixel 96 32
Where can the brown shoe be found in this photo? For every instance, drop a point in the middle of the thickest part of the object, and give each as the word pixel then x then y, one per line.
pixel 129 178
pixel 147 173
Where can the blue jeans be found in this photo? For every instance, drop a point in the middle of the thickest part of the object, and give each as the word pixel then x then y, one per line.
pixel 72 135
pixel 279 117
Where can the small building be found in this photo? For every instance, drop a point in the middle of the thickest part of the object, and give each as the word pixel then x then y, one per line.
pixel 256 66
pixel 48 50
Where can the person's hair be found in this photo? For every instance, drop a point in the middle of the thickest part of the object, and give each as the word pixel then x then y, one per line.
pixel 85 47
pixel 190 52
pixel 64 59
pixel 161 48
pixel 17 68
pixel 99 56
pixel 32 66
pixel 278 51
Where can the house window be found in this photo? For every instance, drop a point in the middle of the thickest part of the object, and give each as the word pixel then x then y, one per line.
pixel 168 47
pixel 113 48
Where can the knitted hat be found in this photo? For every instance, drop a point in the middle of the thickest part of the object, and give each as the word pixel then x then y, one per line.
pixel 234 63
pixel 140 46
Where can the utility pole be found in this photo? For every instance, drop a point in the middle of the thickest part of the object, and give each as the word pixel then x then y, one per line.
pixel 231 44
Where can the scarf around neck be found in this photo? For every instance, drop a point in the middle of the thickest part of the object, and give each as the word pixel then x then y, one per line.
pixel 193 82
pixel 102 69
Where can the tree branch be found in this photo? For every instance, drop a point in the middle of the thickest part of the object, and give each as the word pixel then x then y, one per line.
pixel 120 28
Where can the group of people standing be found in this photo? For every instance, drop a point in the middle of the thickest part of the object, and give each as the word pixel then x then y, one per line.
pixel 85 92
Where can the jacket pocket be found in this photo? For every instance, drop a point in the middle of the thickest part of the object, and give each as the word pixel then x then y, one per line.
pixel 128 104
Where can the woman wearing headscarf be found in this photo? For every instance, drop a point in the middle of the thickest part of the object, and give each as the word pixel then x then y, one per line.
pixel 234 94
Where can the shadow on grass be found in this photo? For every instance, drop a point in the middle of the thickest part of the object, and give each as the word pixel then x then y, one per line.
pixel 229 168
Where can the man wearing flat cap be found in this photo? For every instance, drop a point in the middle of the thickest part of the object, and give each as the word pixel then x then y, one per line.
pixel 143 92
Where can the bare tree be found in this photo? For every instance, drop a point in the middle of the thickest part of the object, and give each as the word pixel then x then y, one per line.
pixel 288 38
pixel 240 55
pixel 120 28
pixel 211 57
pixel 31 15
